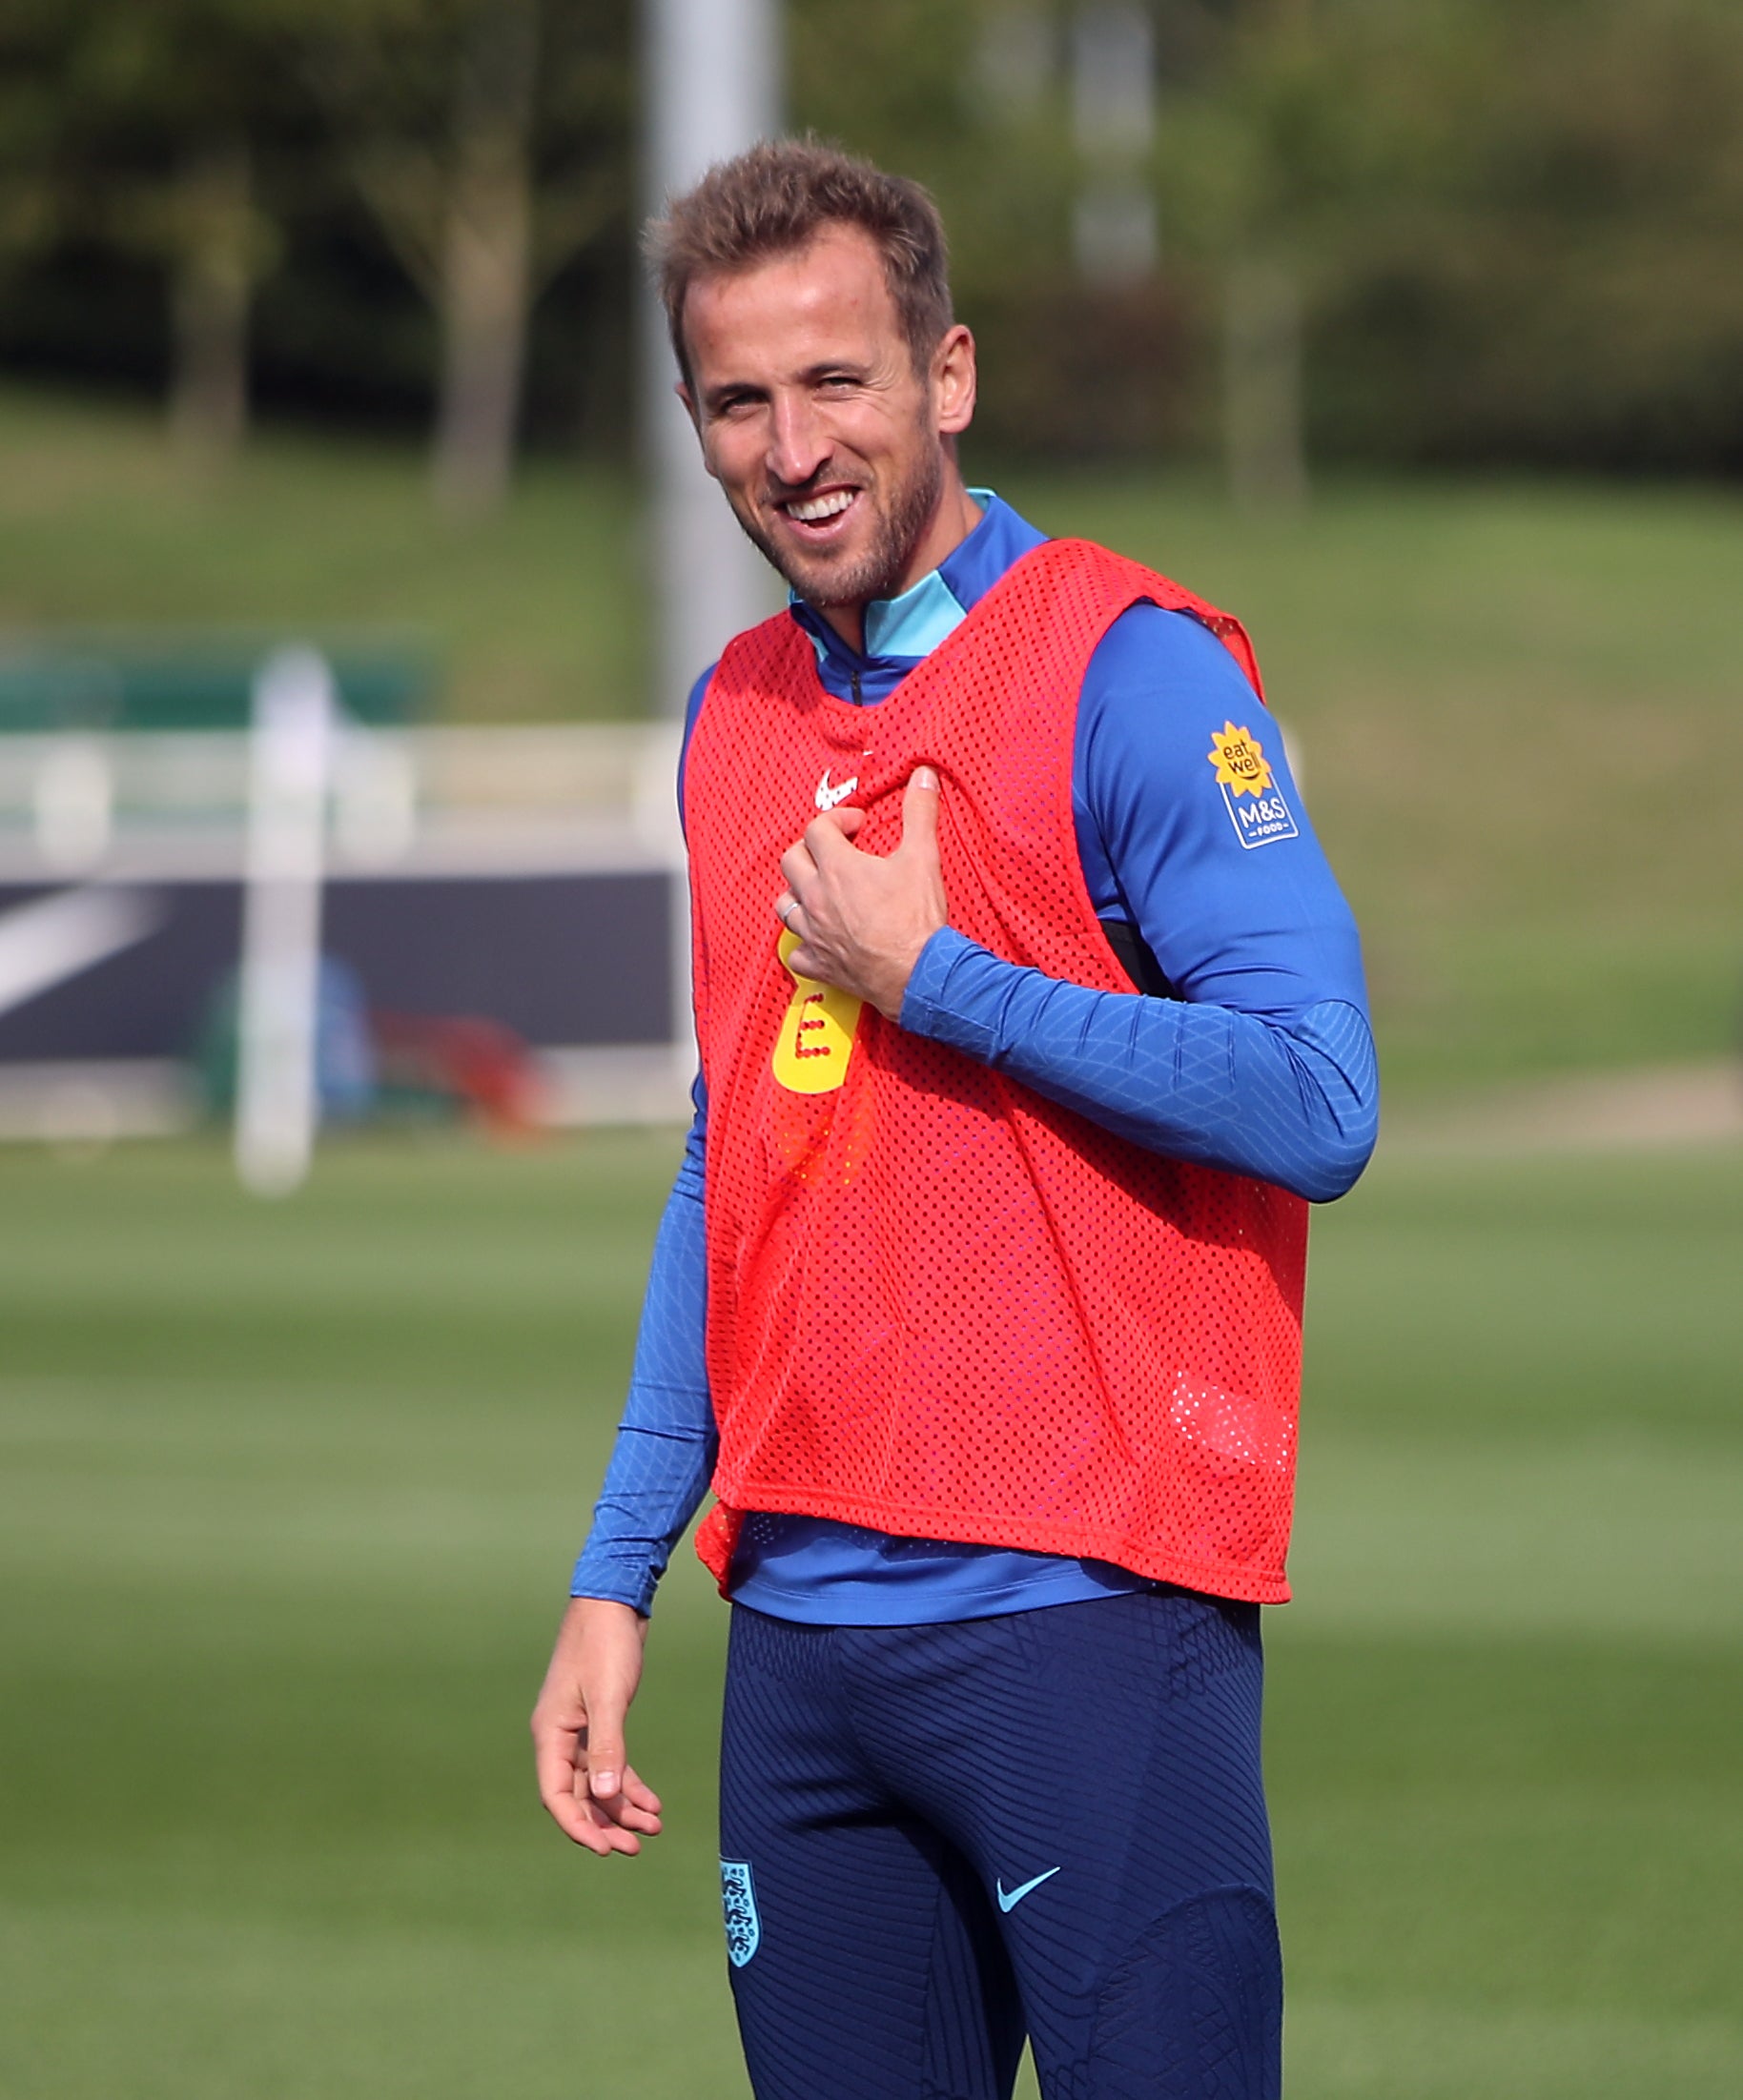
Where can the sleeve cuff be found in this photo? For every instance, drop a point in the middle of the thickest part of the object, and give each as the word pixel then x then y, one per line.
pixel 612 1586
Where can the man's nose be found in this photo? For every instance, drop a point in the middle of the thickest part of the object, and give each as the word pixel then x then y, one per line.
pixel 798 442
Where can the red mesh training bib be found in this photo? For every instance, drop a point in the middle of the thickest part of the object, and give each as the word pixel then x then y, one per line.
pixel 938 1304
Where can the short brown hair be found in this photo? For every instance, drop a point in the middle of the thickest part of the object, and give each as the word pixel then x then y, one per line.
pixel 778 196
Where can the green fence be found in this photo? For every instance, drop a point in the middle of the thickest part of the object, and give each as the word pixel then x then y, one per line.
pixel 98 682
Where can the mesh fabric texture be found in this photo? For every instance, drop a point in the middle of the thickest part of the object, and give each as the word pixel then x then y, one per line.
pixel 940 1304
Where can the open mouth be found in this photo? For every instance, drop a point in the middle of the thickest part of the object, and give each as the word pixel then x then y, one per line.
pixel 821 517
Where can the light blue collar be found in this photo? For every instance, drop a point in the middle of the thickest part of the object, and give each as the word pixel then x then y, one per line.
pixel 915 623
pixel 910 626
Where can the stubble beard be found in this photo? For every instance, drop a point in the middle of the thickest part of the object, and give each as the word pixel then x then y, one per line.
pixel 878 572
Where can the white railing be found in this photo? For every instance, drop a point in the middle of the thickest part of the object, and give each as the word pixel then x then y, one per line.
pixel 591 794
pixel 91 813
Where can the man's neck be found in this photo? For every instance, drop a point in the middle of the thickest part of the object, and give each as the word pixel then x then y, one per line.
pixel 955 516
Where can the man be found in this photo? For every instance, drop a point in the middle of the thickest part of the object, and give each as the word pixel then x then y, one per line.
pixel 1030 1018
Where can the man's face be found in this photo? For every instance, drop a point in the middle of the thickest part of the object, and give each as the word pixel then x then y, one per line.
pixel 828 443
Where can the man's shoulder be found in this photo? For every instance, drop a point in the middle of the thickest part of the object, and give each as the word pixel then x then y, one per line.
pixel 1149 637
pixel 1072 560
pixel 1157 687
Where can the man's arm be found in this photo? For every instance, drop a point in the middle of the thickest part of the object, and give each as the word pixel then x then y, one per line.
pixel 1265 1064
pixel 658 1475
pixel 664 1455
pixel 1289 1098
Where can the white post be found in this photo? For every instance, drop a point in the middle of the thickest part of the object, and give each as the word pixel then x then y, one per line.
pixel 74 799
pixel 1113 119
pixel 711 88
pixel 290 759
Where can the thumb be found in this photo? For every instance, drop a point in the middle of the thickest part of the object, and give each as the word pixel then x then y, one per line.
pixel 606 1746
pixel 920 800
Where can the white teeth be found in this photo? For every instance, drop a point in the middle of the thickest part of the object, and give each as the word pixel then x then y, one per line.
pixel 819 507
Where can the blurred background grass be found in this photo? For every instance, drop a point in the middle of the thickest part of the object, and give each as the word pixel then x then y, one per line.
pixel 288 1493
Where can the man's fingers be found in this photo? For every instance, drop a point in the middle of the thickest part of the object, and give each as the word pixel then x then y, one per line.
pixel 573 1814
pixel 557 1751
pixel 638 1807
pixel 798 867
pixel 555 1763
pixel 601 1826
pixel 848 822
pixel 586 1788
pixel 826 838
pixel 830 835
pixel 920 800
pixel 561 1772
pixel 638 1794
pixel 596 1830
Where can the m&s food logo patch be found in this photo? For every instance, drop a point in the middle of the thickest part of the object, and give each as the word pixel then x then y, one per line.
pixel 1255 804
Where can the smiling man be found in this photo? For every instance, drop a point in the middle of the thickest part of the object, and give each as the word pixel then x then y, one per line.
pixel 822 420
pixel 1031 1022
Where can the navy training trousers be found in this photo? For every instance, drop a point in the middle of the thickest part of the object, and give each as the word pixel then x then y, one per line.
pixel 938 1839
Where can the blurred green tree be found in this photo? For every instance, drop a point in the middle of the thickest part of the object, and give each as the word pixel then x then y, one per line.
pixel 1459 231
pixel 973 101
pixel 141 128
pixel 1541 262
pixel 1507 229
pixel 489 140
pixel 30 132
pixel 1464 229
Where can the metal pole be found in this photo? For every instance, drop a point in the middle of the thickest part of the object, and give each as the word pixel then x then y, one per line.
pixel 712 73
pixel 1114 119
pixel 710 89
pixel 290 761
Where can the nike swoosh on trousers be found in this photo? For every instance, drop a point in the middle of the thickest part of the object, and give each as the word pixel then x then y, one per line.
pixel 1010 1901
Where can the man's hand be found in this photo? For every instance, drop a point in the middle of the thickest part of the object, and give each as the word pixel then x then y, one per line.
pixel 861 922
pixel 578 1729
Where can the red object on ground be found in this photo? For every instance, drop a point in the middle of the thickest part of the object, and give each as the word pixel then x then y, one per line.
pixel 480 1062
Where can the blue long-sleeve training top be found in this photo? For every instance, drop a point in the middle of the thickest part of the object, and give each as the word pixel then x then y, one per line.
pixel 1251 1053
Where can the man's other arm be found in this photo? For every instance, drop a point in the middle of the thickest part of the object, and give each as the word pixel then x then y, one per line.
pixel 664 1455
pixel 1262 1063
pixel 659 1472
pixel 1288 1097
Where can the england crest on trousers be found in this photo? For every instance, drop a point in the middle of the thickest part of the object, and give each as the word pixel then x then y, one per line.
pixel 738 1900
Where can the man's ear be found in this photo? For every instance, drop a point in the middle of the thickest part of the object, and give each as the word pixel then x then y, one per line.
pixel 954 380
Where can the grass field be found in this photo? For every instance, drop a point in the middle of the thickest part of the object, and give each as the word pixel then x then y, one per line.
pixel 1516 705
pixel 285 1513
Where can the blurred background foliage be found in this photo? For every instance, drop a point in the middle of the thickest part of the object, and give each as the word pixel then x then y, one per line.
pixel 342 209
pixel 1371 322
pixel 1499 231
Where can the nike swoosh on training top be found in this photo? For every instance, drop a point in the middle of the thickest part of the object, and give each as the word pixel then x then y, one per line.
pixel 828 797
pixel 1009 1902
